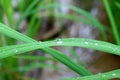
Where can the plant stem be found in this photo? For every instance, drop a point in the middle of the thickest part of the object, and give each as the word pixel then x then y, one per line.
pixel 112 21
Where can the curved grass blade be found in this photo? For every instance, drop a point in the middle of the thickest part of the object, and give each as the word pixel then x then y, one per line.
pixel 8 9
pixel 27 11
pixel 30 7
pixel 100 76
pixel 112 21
pixel 86 43
pixel 117 4
pixel 33 26
pixel 93 20
pixel 71 17
pixel 56 54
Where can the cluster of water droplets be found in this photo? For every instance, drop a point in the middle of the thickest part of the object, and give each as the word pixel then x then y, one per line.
pixel 103 75
pixel 85 42
pixel 100 74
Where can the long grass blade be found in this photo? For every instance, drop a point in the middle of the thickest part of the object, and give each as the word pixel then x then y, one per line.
pixel 86 43
pixel 117 4
pixel 8 9
pixel 56 54
pixel 78 10
pixel 26 12
pixel 100 76
pixel 112 21
pixel 91 18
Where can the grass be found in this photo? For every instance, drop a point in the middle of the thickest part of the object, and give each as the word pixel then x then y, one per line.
pixel 58 55
pixel 100 76
pixel 86 43
pixel 112 21
pixel 10 51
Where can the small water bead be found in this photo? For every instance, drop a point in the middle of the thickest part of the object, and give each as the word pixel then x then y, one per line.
pixel 86 42
pixel 96 44
pixel 59 41
pixel 40 42
pixel 99 73
pixel 114 74
pixel 15 50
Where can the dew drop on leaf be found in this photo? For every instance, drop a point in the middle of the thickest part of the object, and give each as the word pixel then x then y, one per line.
pixel 96 43
pixel 15 50
pixel 86 42
pixel 40 42
pixel 113 74
pixel 59 41
pixel 99 73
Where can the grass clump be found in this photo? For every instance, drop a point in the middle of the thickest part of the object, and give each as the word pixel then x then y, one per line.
pixel 10 51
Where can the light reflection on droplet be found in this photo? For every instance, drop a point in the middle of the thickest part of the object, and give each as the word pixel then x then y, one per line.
pixel 96 43
pixel 15 50
pixel 59 41
pixel 86 42
pixel 99 73
pixel 113 74
pixel 40 42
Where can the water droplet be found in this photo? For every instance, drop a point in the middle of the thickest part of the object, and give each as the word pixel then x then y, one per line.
pixel 15 50
pixel 59 41
pixel 99 73
pixel 114 74
pixel 96 43
pixel 40 42
pixel 86 42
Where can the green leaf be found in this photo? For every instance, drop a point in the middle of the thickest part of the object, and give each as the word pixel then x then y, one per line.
pixel 89 17
pixel 112 21
pixel 86 43
pixel 56 54
pixel 99 76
